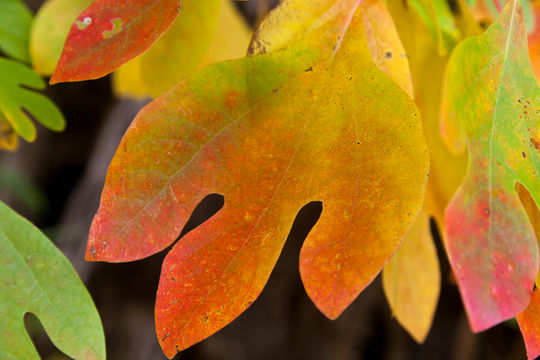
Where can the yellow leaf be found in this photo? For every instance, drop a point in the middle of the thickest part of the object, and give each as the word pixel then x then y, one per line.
pixel 232 36
pixel 204 33
pixel 415 262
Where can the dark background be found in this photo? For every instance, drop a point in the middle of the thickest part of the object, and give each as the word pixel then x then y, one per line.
pixel 67 171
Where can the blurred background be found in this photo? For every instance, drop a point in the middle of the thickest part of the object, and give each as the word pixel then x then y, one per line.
pixel 56 183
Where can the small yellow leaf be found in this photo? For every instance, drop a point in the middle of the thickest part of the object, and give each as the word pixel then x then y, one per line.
pixel 411 280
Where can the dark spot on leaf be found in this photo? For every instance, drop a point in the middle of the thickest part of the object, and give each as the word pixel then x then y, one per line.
pixel 484 24
pixel 165 337
pixel 523 153
pixel 388 55
pixel 535 144
pixel 309 69
pixel 93 251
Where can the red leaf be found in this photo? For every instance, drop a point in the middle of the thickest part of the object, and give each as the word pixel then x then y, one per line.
pixel 111 32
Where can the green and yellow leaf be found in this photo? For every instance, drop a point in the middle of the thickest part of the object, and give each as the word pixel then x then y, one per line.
pixel 491 107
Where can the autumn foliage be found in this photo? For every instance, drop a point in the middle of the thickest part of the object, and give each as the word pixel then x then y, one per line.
pixel 388 113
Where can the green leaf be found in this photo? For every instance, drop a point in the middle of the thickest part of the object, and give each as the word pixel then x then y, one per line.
pixel 15 22
pixel 35 277
pixel 14 98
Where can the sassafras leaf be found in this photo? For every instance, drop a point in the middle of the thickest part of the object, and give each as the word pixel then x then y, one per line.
pixel 534 41
pixel 178 51
pixel 411 280
pixel 271 133
pixel 14 98
pixel 491 107
pixel 50 30
pixel 529 324
pixel 8 137
pixel 15 22
pixel 209 31
pixel 36 277
pixel 109 33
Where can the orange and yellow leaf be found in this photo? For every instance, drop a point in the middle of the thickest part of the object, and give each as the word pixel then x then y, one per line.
pixel 315 121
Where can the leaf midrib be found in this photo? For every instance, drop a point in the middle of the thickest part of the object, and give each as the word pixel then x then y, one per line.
pixel 495 117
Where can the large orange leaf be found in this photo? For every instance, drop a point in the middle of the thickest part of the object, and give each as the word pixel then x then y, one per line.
pixel 491 106
pixel 111 32
pixel 314 121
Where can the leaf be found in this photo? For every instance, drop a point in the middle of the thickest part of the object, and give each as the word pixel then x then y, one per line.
pixel 491 105
pixel 413 301
pixel 227 37
pixel 180 49
pixel 231 38
pixel 529 325
pixel 528 319
pixel 50 30
pixel 413 296
pixel 15 22
pixel 438 18
pixel 534 42
pixel 292 20
pixel 111 32
pixel 14 98
pixel 415 262
pixel 8 137
pixel 271 133
pixel 37 278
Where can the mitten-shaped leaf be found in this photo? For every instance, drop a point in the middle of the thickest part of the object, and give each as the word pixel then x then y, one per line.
pixel 37 278
pixel 314 121
pixel 491 106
